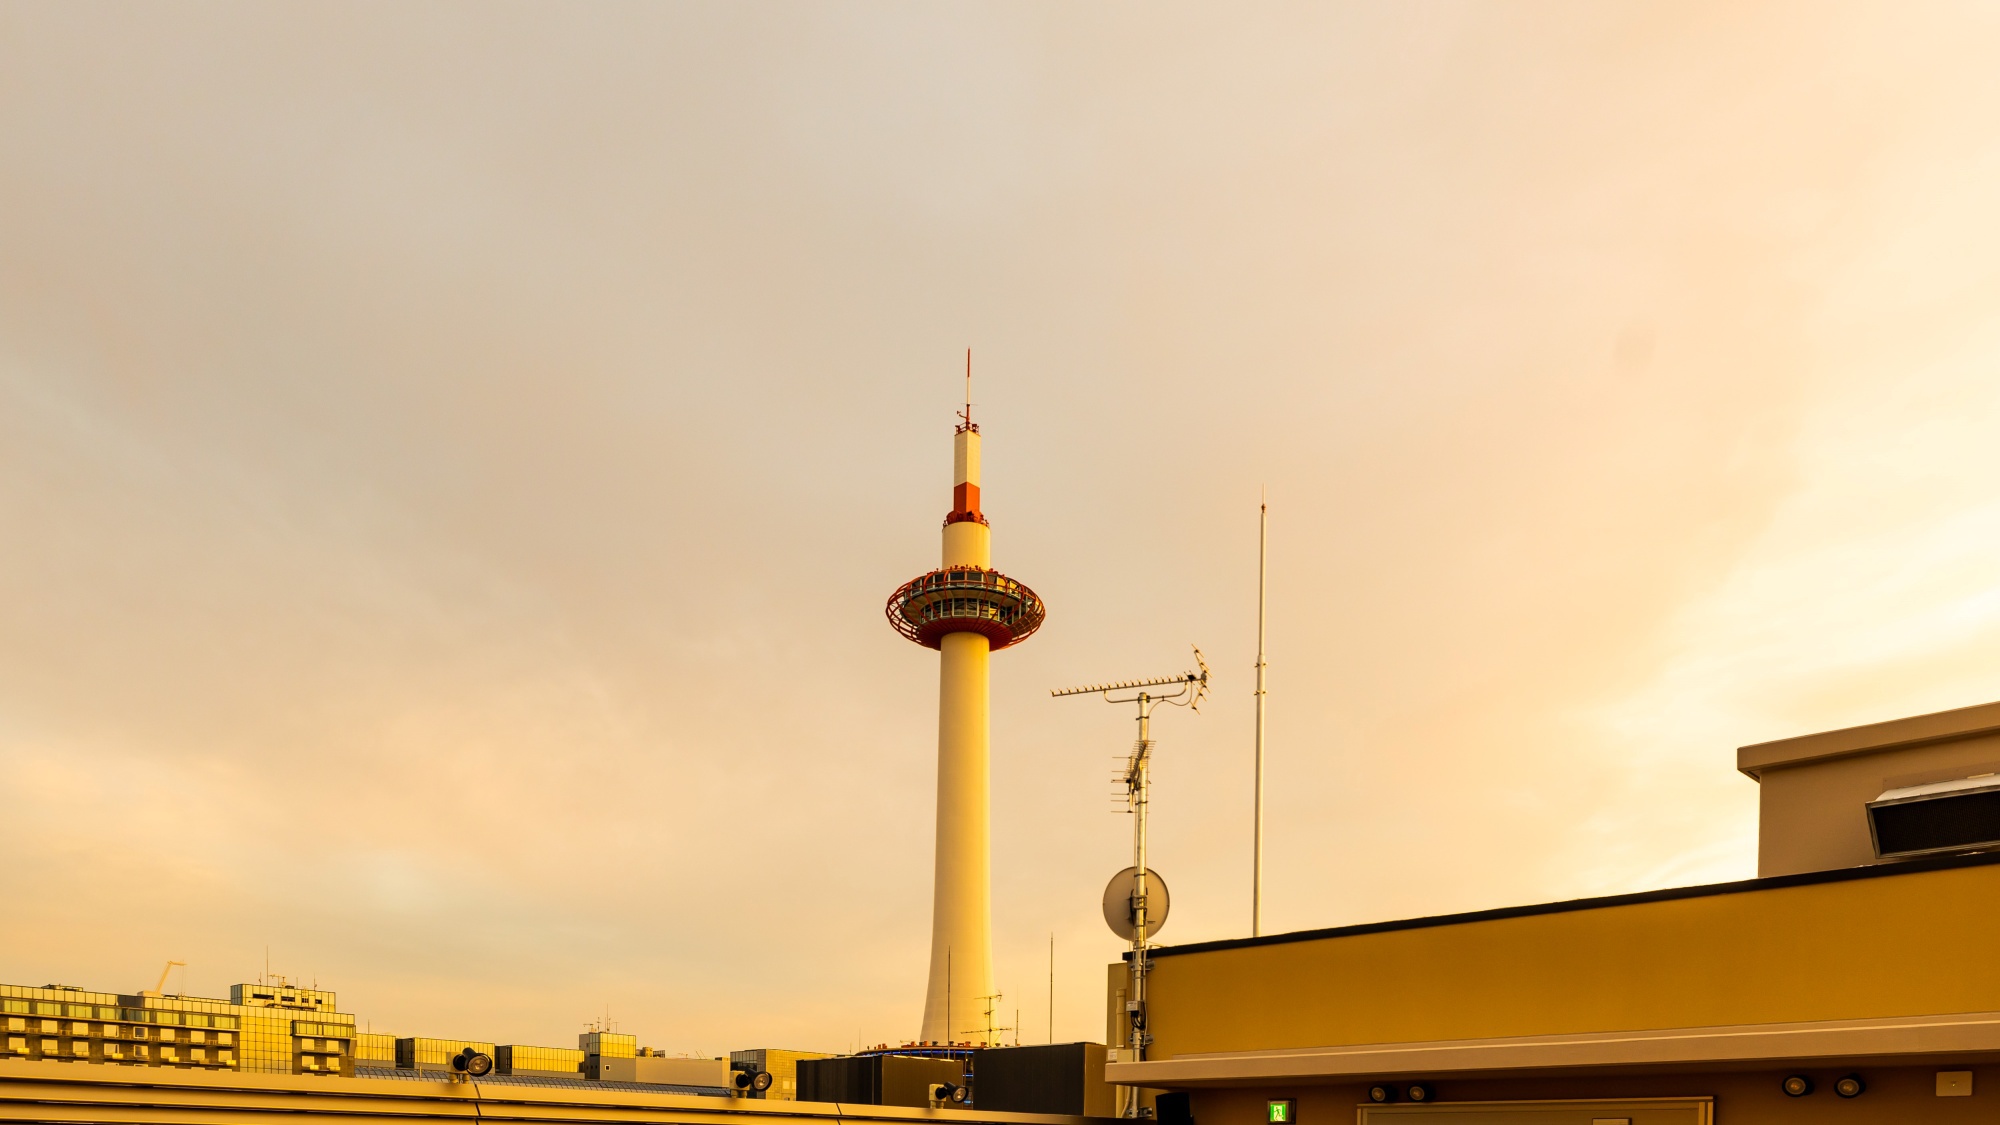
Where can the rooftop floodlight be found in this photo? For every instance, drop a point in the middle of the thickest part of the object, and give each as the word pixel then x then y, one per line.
pixel 472 1064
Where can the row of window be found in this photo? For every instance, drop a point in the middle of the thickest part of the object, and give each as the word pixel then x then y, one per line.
pixel 82 1049
pixel 11 1006
pixel 948 578
pixel 84 1028
pixel 944 608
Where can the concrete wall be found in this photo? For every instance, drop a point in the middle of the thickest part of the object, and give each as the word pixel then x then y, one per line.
pixel 52 1091
pixel 1814 789
pixel 665 1072
pixel 1899 942
pixel 1813 817
pixel 1895 1096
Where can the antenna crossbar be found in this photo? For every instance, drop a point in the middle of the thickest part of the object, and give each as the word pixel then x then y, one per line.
pixel 1122 685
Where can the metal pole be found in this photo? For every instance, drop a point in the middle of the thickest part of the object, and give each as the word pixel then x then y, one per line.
pixel 1139 1036
pixel 1257 843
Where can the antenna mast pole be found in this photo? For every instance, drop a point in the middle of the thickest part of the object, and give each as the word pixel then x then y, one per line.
pixel 1187 691
pixel 1257 833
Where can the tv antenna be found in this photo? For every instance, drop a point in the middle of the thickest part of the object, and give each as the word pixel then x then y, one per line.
pixel 990 1034
pixel 965 422
pixel 1188 690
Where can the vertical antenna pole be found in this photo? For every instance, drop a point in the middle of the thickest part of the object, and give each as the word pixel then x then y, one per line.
pixel 1257 833
pixel 1136 1004
pixel 1052 987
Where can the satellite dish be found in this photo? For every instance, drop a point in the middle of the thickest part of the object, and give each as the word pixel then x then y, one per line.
pixel 1118 902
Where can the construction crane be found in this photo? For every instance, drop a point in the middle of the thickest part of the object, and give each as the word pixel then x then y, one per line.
pixel 157 989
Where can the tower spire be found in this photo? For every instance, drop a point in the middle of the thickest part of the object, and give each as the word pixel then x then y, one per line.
pixel 965 423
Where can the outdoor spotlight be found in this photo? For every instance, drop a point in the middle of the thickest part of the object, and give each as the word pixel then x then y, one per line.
pixel 952 1093
pixel 1381 1093
pixel 472 1064
pixel 748 1078
pixel 1421 1092
pixel 1850 1087
pixel 1798 1086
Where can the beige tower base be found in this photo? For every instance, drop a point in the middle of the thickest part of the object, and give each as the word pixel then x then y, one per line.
pixel 962 902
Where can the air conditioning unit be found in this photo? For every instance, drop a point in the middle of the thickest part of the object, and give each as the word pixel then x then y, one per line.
pixel 1942 817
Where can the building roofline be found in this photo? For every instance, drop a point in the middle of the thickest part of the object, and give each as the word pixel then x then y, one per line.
pixel 1903 1040
pixel 1940 726
pixel 1670 894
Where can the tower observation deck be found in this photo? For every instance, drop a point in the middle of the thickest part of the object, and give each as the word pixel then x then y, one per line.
pixel 966 610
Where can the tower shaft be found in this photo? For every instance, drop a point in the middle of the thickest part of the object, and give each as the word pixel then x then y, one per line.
pixel 962 902
pixel 962 887
pixel 967 611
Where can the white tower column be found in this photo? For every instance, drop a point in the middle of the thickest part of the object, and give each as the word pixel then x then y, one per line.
pixel 962 885
pixel 962 891
pixel 966 610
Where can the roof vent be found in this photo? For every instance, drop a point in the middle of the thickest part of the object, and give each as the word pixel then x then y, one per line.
pixel 1944 816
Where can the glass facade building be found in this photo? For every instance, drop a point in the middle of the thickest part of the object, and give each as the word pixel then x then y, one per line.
pixel 609 1044
pixel 271 1029
pixel 375 1049
pixel 539 1062
pixel 248 1032
pixel 434 1054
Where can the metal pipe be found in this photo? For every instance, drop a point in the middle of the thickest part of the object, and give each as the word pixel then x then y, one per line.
pixel 1257 841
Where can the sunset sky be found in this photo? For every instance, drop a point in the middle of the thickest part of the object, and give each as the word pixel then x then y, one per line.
pixel 453 457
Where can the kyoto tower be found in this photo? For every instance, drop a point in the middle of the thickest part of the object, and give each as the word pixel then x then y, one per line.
pixel 966 610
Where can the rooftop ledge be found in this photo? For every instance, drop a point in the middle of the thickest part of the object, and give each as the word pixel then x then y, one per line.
pixel 1904 1039
pixel 1943 726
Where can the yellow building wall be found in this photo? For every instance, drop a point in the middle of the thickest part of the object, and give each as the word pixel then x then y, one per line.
pixel 1895 945
pixel 1895 1096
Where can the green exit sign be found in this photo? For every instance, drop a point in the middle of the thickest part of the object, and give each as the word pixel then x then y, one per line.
pixel 1284 1111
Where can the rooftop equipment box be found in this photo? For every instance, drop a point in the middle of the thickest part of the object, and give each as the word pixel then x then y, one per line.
pixel 875 1079
pixel 1052 1078
pixel 537 1062
pixel 656 1071
pixel 781 1065
pixel 417 1053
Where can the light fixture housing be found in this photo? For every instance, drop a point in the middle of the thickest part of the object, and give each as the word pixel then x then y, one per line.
pixel 1797 1085
pixel 1850 1086
pixel 473 1064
